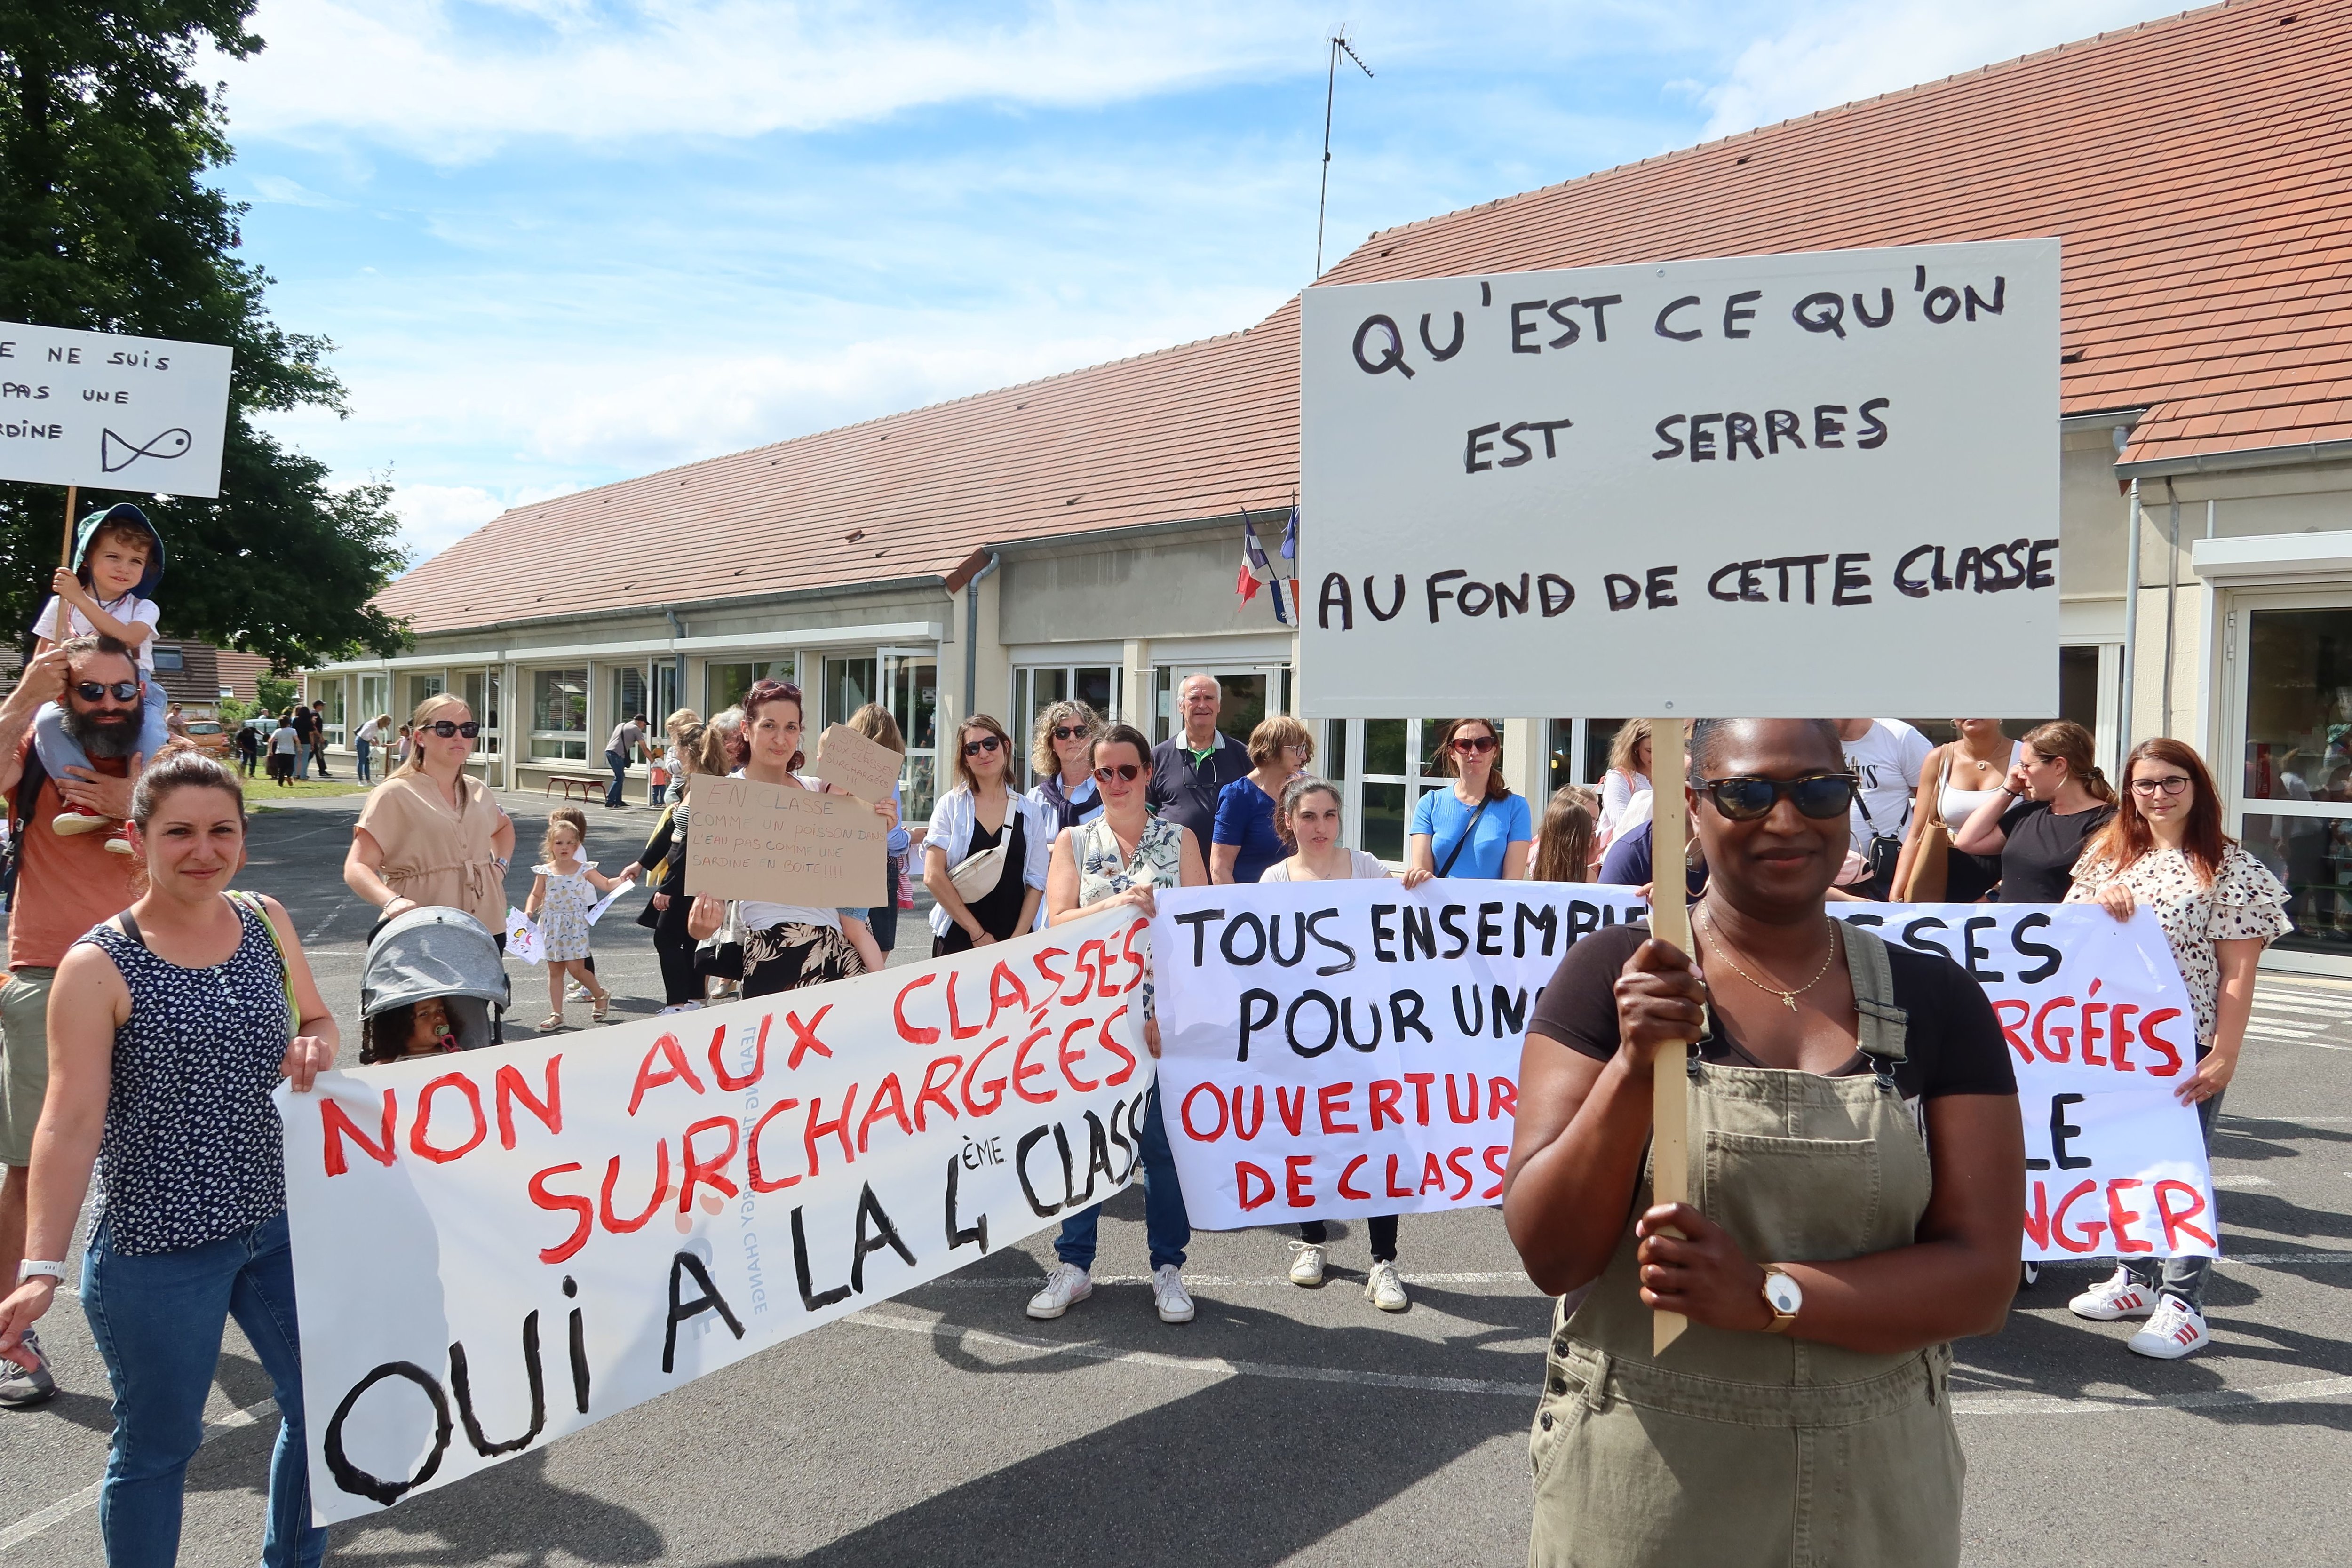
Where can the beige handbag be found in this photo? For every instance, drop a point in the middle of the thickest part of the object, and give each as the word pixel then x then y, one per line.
pixel 1931 851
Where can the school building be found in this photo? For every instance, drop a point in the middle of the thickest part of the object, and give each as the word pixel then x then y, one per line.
pixel 1081 535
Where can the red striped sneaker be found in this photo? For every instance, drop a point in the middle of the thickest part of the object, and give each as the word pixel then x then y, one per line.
pixel 2118 1296
pixel 2177 1330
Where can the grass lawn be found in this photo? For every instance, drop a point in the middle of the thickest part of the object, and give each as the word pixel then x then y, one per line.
pixel 260 793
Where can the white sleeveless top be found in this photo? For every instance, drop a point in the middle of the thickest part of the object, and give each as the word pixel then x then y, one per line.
pixel 1959 805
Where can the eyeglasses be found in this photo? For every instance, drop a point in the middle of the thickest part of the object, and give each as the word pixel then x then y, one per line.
pixel 1125 772
pixel 1473 745
pixel 92 690
pixel 2173 783
pixel 1070 731
pixel 445 727
pixel 1748 797
pixel 985 743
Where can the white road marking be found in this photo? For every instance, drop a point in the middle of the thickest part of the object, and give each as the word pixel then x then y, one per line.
pixel 2332 1009
pixel 64 1509
pixel 2328 1388
pixel 2233 1183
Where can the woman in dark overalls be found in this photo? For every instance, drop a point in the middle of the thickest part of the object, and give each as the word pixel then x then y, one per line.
pixel 1829 1255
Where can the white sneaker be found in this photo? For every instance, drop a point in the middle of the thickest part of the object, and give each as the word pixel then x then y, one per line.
pixel 2177 1330
pixel 1167 1289
pixel 676 1008
pixel 1067 1283
pixel 1385 1289
pixel 575 991
pixel 1307 1263
pixel 2118 1296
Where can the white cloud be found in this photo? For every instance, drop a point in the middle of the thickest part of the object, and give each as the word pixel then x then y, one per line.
pixel 433 517
pixel 450 84
pixel 1835 54
pixel 279 189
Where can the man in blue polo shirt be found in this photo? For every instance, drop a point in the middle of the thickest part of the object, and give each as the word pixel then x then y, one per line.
pixel 1190 767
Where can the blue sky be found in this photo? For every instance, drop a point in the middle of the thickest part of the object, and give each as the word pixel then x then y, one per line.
pixel 559 243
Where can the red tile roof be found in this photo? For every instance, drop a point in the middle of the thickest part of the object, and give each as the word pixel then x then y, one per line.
pixel 2197 168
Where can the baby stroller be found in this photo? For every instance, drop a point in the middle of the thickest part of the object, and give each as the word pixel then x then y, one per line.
pixel 441 960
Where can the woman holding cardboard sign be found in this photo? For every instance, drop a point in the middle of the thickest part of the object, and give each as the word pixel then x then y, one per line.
pixel 2219 906
pixel 1821 1216
pixel 985 854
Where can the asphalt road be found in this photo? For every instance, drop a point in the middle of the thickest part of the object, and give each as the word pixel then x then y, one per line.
pixel 1287 1426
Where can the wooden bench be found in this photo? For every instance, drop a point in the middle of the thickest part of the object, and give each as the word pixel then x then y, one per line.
pixel 591 786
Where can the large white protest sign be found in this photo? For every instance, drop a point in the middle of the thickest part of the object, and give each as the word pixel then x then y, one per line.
pixel 111 412
pixel 498 1248
pixel 2102 1033
pixel 1340 1049
pixel 1350 1049
pixel 1701 487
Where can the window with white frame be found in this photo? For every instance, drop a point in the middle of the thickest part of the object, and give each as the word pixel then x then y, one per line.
pixel 480 690
pixel 1037 687
pixel 558 715
pixel 1389 763
pixel 422 684
pixel 331 709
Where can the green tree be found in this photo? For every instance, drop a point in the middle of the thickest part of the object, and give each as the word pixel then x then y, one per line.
pixel 107 224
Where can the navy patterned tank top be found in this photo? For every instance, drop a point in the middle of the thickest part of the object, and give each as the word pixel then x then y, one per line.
pixel 193 1150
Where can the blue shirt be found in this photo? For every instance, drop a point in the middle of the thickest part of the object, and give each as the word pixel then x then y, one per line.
pixel 1246 820
pixel 1442 816
pixel 1628 861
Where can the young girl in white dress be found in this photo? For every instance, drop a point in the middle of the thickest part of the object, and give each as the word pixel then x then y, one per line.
pixel 560 897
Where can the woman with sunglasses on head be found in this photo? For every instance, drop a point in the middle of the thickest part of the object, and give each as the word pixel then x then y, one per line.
pixel 1309 821
pixel 1477 828
pixel 786 946
pixel 1825 1209
pixel 431 833
pixel 981 814
pixel 1061 752
pixel 2219 906
pixel 2052 800
pixel 1959 777
pixel 1115 862
pixel 1245 840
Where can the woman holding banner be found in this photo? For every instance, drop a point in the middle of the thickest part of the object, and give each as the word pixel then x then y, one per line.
pixel 983 815
pixel 1115 861
pixel 1478 828
pixel 2051 803
pixel 1308 819
pixel 1822 1214
pixel 172 1022
pixel 2219 906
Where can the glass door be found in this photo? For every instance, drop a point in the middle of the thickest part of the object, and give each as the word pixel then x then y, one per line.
pixel 2294 661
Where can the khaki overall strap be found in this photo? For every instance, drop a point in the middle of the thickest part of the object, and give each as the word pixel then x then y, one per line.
pixel 1883 1024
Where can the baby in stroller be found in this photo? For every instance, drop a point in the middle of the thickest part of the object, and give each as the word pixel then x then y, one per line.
pixel 433 982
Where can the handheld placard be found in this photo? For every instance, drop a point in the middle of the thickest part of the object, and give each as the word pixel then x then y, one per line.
pixel 1669 923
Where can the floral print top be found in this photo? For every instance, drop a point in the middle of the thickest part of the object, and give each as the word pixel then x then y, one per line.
pixel 1104 872
pixel 2242 901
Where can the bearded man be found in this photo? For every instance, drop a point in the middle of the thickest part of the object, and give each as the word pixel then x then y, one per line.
pixel 65 885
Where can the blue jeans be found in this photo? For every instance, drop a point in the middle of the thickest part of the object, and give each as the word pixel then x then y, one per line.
pixel 59 751
pixel 619 764
pixel 882 919
pixel 362 746
pixel 157 1318
pixel 1166 1226
pixel 302 759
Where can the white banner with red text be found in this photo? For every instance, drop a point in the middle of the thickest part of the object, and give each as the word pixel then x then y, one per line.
pixel 495 1248
pixel 1343 1049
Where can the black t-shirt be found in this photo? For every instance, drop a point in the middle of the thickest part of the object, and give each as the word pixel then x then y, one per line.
pixel 2037 864
pixel 1953 1044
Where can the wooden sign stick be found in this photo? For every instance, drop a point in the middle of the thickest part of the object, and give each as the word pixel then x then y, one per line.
pixel 1669 923
pixel 65 556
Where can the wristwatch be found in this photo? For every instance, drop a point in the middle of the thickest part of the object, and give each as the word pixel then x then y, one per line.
pixel 32 1266
pixel 1784 1296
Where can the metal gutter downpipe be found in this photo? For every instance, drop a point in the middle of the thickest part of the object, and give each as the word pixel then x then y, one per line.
pixel 2131 613
pixel 972 637
pixel 677 654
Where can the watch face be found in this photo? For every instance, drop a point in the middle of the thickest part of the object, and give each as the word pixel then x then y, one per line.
pixel 1783 1293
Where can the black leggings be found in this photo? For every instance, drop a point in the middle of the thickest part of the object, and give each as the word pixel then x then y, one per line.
pixel 675 948
pixel 1382 1228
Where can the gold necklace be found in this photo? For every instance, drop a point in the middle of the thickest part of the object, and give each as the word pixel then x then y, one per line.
pixel 1788 998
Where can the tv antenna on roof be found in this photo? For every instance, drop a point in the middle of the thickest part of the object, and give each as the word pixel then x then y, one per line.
pixel 1338 42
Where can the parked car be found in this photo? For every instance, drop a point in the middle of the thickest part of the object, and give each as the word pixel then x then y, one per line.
pixel 211 735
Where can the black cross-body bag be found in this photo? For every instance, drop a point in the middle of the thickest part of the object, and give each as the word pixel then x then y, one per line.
pixel 1462 842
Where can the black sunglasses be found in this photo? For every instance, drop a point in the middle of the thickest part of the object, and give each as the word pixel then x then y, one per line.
pixel 1746 798
pixel 985 743
pixel 92 690
pixel 1472 745
pixel 445 727
pixel 1125 772
pixel 1070 731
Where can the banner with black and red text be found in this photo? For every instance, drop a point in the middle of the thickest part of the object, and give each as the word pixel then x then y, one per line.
pixel 1343 1049
pixel 495 1248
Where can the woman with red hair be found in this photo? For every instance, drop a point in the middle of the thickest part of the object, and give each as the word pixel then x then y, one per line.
pixel 2219 907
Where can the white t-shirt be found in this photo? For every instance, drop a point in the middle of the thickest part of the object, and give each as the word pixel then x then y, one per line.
pixel 1361 867
pixel 130 608
pixel 1888 760
pixel 368 732
pixel 283 739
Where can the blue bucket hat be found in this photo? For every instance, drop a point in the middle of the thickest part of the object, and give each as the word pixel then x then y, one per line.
pixel 121 514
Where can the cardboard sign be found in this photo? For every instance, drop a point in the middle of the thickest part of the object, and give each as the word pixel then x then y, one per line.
pixel 523 940
pixel 1338 1049
pixel 516 1244
pixel 1741 469
pixel 111 412
pixel 849 760
pixel 782 844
